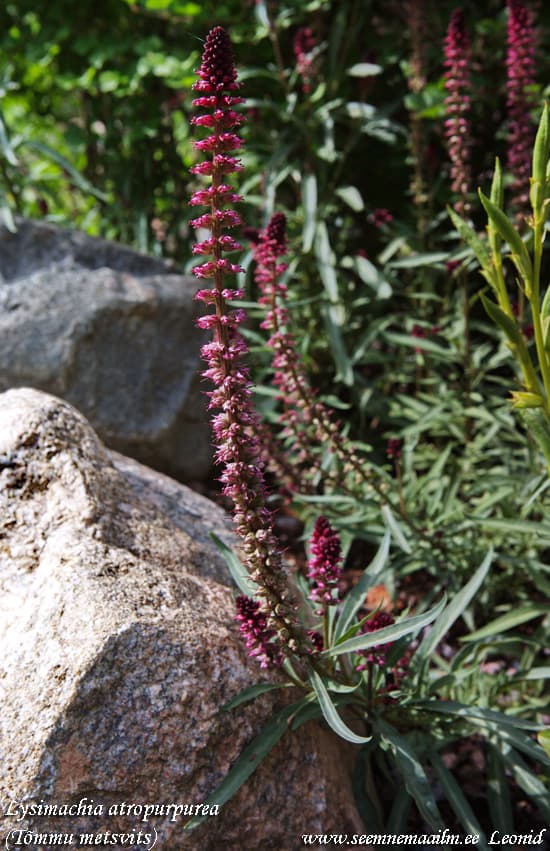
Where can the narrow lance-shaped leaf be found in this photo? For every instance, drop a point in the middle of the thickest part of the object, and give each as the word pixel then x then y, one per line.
pixel 475 242
pixel 498 791
pixel 458 801
pixel 506 229
pixel 5 144
pixel 387 633
pixel 309 199
pixel 251 693
pixel 413 774
pixel 541 152
pixel 513 618
pixel 506 323
pixel 544 740
pixel 330 713
pixel 453 611
pixel 528 781
pixel 67 166
pixel 496 197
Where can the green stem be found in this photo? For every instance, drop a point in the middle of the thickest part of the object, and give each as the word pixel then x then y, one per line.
pixel 520 352
pixel 544 361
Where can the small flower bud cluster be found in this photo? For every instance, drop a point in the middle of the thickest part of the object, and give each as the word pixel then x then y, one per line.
pixel 325 565
pixel 457 105
pixel 520 66
pixel 304 51
pixel 258 636
pixel 375 655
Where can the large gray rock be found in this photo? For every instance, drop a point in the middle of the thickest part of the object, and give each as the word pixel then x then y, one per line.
pixel 112 331
pixel 119 648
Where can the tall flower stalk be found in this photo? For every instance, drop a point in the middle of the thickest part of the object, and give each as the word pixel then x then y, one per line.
pixel 235 425
pixel 307 423
pixel 521 76
pixel 417 27
pixel 457 108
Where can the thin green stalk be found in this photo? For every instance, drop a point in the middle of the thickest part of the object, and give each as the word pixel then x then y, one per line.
pixel 535 308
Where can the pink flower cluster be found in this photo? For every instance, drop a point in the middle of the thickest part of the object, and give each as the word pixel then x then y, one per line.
pixel 304 47
pixel 325 565
pixel 258 636
pixel 520 65
pixel 375 655
pixel 457 103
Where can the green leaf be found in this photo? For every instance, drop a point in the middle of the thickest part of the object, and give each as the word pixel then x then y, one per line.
pixel 496 195
pixel 498 791
pixel 386 634
pixel 452 612
pixel 538 424
pixel 508 621
pixel 5 145
pixel 355 597
pixel 364 69
pixel 352 197
pixel 239 573
pixel 362 783
pixel 395 528
pixel 309 200
pixel 507 231
pixel 413 774
pixel 415 260
pixel 399 815
pixel 526 779
pixel 522 527
pixel 338 349
pixel 506 323
pixel 541 152
pixel 249 759
pixel 6 216
pixel 457 800
pixel 472 239
pixel 330 713
pixel 325 258
pixel 476 714
pixel 368 273
pixel 544 740
pixel 68 167
pixel 251 693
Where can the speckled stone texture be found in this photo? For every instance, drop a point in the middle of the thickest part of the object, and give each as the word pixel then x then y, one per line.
pixel 112 332
pixel 119 648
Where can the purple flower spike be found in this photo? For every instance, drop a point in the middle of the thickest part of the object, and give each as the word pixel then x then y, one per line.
pixel 235 424
pixel 258 637
pixel 304 51
pixel 325 565
pixel 457 103
pixel 520 65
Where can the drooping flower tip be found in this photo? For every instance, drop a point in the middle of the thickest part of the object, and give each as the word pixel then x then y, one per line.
pixel 217 71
